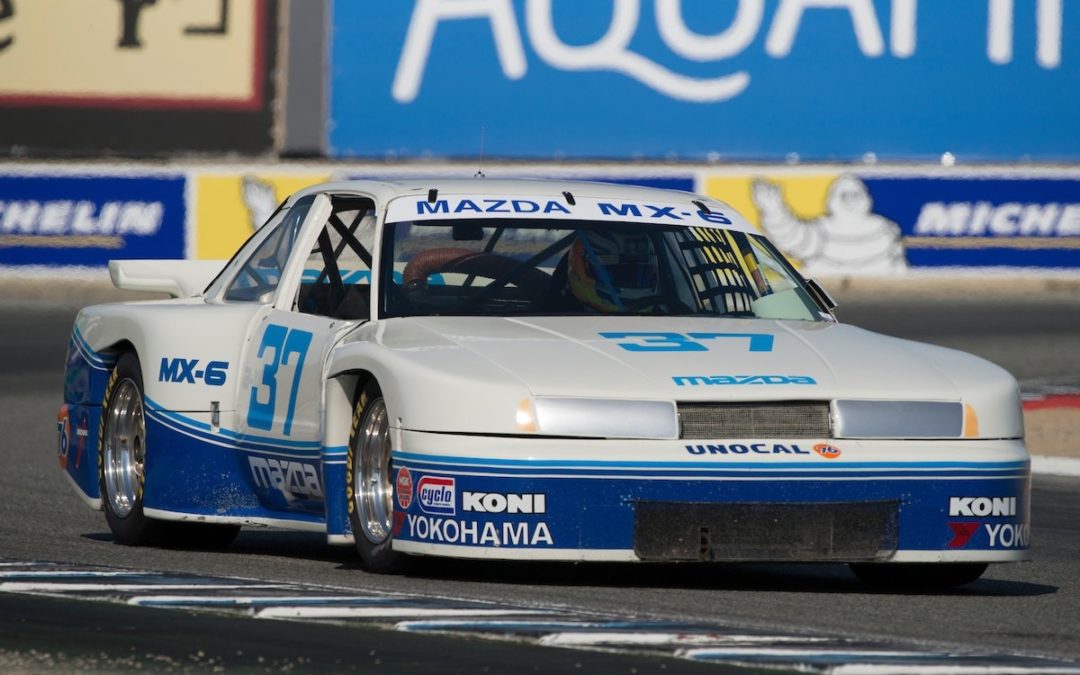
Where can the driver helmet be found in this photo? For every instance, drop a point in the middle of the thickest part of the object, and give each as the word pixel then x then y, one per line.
pixel 609 270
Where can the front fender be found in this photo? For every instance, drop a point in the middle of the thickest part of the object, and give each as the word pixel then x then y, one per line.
pixel 432 386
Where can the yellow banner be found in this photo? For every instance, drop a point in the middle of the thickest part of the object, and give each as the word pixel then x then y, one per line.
pixel 134 53
pixel 806 195
pixel 824 223
pixel 229 208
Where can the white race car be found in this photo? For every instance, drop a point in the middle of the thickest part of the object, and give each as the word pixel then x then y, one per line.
pixel 535 370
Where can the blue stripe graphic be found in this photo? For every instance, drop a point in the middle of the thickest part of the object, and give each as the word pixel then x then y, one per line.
pixel 201 430
pixel 104 361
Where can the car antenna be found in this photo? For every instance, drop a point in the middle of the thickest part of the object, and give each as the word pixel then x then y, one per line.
pixel 701 206
pixel 432 195
pixel 569 198
pixel 480 162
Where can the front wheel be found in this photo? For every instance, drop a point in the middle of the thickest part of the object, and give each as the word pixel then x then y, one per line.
pixel 918 575
pixel 370 488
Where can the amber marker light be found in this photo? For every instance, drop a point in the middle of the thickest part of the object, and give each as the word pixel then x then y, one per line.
pixel 525 417
pixel 971 422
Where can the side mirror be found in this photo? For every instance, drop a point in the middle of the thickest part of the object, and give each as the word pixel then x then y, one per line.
pixel 821 296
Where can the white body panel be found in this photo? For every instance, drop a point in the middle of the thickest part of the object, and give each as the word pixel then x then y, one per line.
pixel 475 370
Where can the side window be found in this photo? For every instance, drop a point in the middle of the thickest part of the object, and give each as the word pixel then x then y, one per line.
pixel 260 274
pixel 336 280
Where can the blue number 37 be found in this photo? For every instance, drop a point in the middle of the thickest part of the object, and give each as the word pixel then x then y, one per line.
pixel 677 342
pixel 284 343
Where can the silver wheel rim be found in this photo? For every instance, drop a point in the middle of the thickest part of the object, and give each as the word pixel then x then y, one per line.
pixel 371 465
pixel 125 448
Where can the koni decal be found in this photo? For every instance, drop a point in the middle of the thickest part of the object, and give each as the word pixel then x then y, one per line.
pixel 498 502
pixel 982 507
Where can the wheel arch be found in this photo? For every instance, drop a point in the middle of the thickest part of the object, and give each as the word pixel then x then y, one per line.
pixel 342 390
pixel 339 402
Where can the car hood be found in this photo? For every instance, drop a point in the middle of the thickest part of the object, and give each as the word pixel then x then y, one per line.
pixel 688 358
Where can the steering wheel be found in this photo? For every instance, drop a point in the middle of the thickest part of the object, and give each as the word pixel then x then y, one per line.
pixel 473 263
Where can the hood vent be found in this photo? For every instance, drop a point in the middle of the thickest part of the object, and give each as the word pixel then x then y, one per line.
pixel 789 419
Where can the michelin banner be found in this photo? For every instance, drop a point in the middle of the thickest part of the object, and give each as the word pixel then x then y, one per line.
pixel 86 220
pixel 873 223
pixel 821 80
pixel 829 222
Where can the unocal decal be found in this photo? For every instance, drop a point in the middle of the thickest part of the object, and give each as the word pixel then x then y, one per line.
pixel 747 448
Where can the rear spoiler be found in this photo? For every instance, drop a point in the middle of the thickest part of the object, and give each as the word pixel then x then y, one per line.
pixel 178 278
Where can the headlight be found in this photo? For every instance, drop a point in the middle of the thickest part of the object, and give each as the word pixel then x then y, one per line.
pixel 898 419
pixel 601 418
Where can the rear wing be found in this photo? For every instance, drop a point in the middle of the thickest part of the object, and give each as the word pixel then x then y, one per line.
pixel 178 278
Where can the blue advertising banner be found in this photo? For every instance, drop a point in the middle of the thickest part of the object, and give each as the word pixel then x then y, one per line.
pixel 64 220
pixel 987 222
pixel 751 79
pixel 849 223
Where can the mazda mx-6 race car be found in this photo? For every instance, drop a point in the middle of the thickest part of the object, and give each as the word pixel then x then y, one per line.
pixel 535 370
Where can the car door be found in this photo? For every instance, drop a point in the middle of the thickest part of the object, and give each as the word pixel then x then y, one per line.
pixel 324 292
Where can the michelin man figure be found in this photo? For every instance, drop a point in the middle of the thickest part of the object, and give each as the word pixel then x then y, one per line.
pixel 849 239
pixel 259 200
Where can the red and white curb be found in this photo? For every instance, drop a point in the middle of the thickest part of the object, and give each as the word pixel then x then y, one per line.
pixel 1053 398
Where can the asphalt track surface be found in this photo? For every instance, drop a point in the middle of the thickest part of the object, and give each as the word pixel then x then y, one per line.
pixel 1031 608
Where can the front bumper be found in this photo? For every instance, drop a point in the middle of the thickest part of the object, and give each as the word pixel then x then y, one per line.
pixel 804 500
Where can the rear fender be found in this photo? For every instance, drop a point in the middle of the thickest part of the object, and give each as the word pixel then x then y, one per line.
pixel 190 351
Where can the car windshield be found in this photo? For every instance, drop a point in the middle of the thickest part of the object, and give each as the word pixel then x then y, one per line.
pixel 509 267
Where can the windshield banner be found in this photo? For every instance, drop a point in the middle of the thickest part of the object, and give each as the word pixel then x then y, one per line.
pixel 459 206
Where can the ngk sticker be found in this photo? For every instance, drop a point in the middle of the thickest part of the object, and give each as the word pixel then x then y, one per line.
pixel 403 487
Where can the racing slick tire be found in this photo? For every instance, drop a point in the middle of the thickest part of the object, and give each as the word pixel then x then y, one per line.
pixel 370 485
pixel 122 456
pixel 918 575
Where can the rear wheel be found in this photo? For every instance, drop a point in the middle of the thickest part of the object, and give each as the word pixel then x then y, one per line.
pixel 122 456
pixel 370 487
pixel 918 575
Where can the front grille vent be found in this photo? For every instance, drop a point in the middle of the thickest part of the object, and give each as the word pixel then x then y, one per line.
pixel 788 419
pixel 751 531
